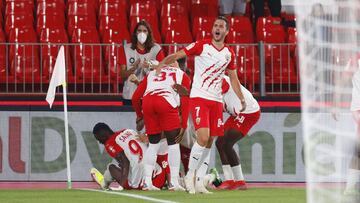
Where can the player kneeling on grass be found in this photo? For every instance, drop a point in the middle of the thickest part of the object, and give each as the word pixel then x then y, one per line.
pixel 127 147
pixel 236 127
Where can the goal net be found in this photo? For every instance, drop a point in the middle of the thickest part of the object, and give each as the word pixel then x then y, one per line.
pixel 328 40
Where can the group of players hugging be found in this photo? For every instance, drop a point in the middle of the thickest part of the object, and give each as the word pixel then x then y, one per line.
pixel 172 108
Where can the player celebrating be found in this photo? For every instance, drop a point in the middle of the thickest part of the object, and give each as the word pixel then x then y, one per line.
pixel 236 127
pixel 161 114
pixel 212 59
pixel 127 148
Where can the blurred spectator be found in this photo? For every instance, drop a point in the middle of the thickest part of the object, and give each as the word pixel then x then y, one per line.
pixel 233 7
pixel 135 57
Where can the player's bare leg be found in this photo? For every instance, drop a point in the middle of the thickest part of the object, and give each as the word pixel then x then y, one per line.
pixel 174 159
pixel 150 160
pixel 202 138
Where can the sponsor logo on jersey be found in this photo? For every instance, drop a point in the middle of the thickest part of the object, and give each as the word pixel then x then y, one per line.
pixel 132 60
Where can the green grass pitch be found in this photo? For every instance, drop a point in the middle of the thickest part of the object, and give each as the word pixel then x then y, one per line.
pixel 253 195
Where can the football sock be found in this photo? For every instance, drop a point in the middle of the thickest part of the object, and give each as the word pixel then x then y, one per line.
pixel 201 172
pixel 237 172
pixel 174 163
pixel 149 162
pixel 195 156
pixel 228 175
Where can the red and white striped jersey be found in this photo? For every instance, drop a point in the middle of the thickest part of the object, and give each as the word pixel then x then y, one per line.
pixel 210 66
pixel 232 103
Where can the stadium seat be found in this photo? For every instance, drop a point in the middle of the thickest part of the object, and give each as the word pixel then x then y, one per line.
pixel 174 10
pixel 270 30
pixel 153 23
pixel 240 24
pixel 292 39
pixel 3 68
pixel 203 35
pixel 247 61
pixel 49 21
pixel 177 37
pixel 87 58
pixel 50 8
pixel 174 23
pixel 19 8
pixel 24 58
pixel 111 22
pixel 82 9
pixel 143 10
pixel 203 8
pixel 152 3
pixel 113 9
pixel 75 22
pixel 237 37
pixel 18 21
pixel 49 51
pixel 202 24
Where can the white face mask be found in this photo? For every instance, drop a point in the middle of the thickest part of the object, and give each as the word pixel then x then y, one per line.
pixel 141 37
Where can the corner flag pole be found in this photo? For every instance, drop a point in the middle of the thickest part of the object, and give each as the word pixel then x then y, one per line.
pixel 59 78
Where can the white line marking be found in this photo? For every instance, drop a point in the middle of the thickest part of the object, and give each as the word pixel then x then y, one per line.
pixel 130 195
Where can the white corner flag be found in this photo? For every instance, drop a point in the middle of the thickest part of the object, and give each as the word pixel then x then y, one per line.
pixel 59 78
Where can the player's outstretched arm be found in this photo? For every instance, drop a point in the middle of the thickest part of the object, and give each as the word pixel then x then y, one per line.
pixel 120 173
pixel 170 59
pixel 235 84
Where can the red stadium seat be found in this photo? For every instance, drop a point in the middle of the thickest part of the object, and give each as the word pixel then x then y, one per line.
pixel 3 69
pixel 201 8
pixel 247 61
pixel 19 8
pixel 203 35
pixel 24 58
pixel 81 9
pixel 87 58
pixel 174 10
pixel 111 22
pixel 143 10
pixel 174 23
pixel 49 52
pixel 49 21
pixel 75 22
pixel 270 30
pixel 152 3
pixel 240 24
pixel 113 9
pixel 18 21
pixel 176 37
pixel 50 8
pixel 292 38
pixel 237 37
pixel 202 24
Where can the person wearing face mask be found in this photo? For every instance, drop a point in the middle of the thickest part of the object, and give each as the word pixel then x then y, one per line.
pixel 135 56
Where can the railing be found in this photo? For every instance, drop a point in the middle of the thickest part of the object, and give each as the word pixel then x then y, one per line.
pixel 93 68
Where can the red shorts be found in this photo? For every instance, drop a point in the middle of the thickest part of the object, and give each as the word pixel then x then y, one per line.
pixel 207 114
pixel 159 115
pixel 243 122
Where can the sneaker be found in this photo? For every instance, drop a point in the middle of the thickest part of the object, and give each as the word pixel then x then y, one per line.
pixel 189 183
pixel 226 185
pixel 177 187
pixel 200 186
pixel 239 185
pixel 119 188
pixel 217 180
pixel 149 188
pixel 98 178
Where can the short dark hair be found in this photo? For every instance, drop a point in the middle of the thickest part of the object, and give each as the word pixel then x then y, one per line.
pixel 224 19
pixel 149 43
pixel 99 127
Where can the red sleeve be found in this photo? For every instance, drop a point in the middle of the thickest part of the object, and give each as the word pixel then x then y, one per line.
pixel 136 98
pixel 160 56
pixel 122 57
pixel 194 48
pixel 231 65
pixel 185 101
pixel 112 148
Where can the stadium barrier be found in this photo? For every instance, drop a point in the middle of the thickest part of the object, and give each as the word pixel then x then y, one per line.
pixel 94 68
pixel 32 146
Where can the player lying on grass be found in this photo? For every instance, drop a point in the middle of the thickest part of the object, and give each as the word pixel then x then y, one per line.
pixel 127 147
pixel 236 127
pixel 160 109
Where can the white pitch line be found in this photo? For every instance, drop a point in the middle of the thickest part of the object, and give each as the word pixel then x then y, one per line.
pixel 130 195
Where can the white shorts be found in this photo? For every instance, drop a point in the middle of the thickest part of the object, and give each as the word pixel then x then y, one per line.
pixel 355 101
pixel 232 6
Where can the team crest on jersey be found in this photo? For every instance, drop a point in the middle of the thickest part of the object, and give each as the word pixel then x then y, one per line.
pixel 132 60
pixel 197 120
pixel 190 46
